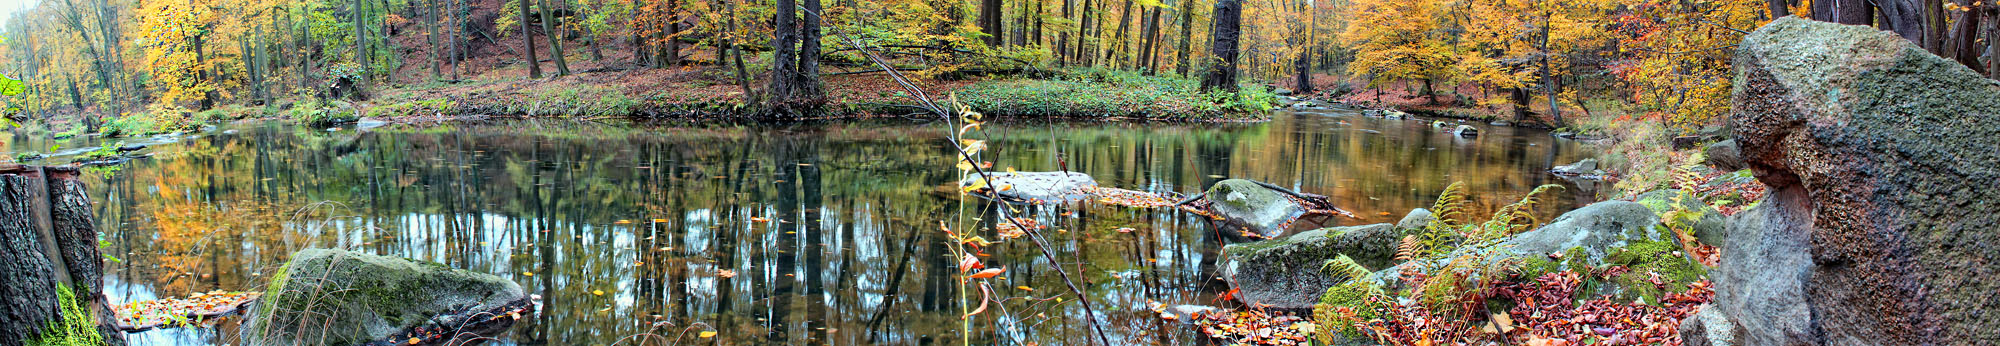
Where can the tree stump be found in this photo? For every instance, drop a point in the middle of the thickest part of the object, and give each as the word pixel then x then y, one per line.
pixel 48 242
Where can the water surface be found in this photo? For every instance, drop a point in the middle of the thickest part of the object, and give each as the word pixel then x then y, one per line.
pixel 624 229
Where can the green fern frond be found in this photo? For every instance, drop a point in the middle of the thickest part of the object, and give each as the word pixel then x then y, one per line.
pixel 1344 268
pixel 1450 207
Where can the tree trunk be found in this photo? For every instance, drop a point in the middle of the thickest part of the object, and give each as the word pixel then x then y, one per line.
pixel 1934 27
pixel 1224 35
pixel 1905 18
pixel 1992 45
pixel 451 34
pixel 1854 12
pixel 555 40
pixel 1062 37
pixel 1187 38
pixel 48 243
pixel 360 44
pixel 1963 45
pixel 1779 8
pixel 1124 37
pixel 809 87
pixel 784 63
pixel 671 49
pixel 1149 40
pixel 534 65
pixel 989 21
pixel 1823 10
pixel 750 96
pixel 1548 75
pixel 431 37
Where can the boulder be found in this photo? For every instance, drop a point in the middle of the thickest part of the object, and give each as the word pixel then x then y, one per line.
pixel 1597 235
pixel 1724 155
pixel 1707 327
pixel 1465 131
pixel 1880 161
pixel 1250 208
pixel 1416 219
pixel 1037 187
pixel 1710 226
pixel 1585 167
pixel 338 298
pixel 1285 273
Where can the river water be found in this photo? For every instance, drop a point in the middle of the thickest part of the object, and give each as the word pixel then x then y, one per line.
pixel 625 230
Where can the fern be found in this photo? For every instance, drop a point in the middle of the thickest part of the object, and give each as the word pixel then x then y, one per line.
pixel 1344 268
pixel 1450 208
pixel 1515 218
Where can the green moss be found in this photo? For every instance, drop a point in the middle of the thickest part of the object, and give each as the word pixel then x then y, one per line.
pixel 1649 258
pixel 78 327
pixel 1353 295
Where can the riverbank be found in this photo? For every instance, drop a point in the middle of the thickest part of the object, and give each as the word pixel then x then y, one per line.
pixel 709 94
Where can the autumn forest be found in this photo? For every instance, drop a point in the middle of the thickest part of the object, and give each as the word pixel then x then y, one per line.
pixel 999 172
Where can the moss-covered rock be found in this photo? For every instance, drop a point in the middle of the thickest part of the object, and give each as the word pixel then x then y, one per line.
pixel 1248 207
pixel 1708 224
pixel 366 298
pixel 1579 239
pixel 1285 273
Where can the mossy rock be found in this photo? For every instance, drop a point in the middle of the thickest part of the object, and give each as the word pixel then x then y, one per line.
pixel 1708 224
pixel 1285 273
pixel 1582 238
pixel 1248 207
pixel 366 298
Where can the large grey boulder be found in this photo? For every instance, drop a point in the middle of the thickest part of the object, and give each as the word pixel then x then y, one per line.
pixel 1285 273
pixel 1879 228
pixel 339 298
pixel 1036 187
pixel 1248 208
pixel 1587 236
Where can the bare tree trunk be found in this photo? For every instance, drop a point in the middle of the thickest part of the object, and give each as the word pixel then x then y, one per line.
pixel 1779 8
pixel 534 65
pixel 784 62
pixel 1854 12
pixel 1904 17
pixel 809 87
pixel 989 21
pixel 1224 35
pixel 1963 45
pixel 1823 10
pixel 672 48
pixel 555 39
pixel 431 24
pixel 451 34
pixel 1148 57
pixel 1187 38
pixel 1124 38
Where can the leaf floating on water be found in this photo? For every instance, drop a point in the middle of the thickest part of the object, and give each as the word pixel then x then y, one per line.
pixel 725 273
pixel 706 334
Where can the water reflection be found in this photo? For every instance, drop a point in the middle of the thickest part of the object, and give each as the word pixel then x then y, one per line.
pixel 851 254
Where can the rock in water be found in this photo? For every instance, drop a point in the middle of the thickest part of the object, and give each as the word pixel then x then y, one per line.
pixel 339 298
pixel 1285 273
pixel 1465 131
pixel 1881 162
pixel 1036 187
pixel 1585 167
pixel 1248 207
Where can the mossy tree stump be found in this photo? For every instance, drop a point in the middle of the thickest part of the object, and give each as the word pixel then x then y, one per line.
pixel 48 244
